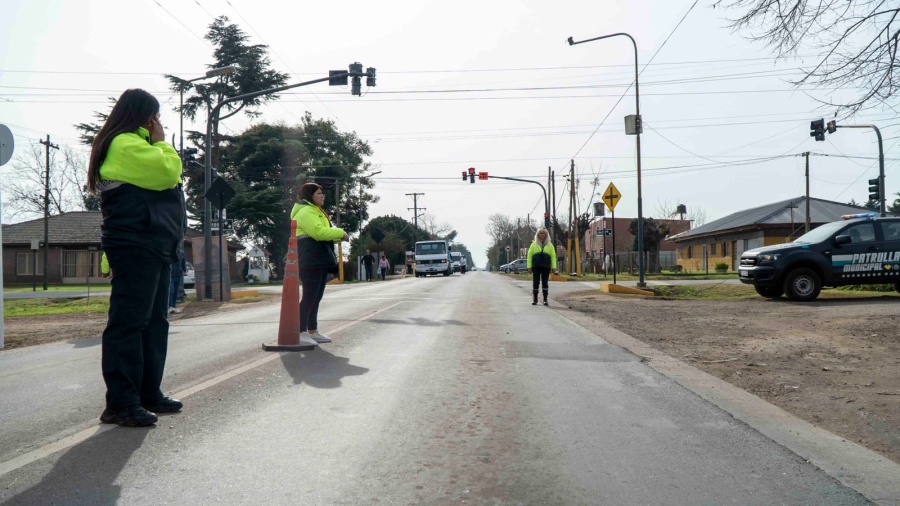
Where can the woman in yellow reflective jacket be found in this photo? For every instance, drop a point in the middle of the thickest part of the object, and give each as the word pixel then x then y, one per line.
pixel 137 175
pixel 540 261
pixel 315 252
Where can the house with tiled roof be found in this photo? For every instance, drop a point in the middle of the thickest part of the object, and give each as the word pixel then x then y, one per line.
pixel 725 239
pixel 74 253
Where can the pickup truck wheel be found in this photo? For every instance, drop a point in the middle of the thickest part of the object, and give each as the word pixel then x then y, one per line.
pixel 769 292
pixel 802 285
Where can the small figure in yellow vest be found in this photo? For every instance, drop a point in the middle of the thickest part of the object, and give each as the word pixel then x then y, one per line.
pixel 104 266
pixel 540 261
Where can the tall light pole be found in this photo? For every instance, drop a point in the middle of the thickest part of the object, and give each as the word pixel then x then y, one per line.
pixel 216 72
pixel 335 78
pixel 638 128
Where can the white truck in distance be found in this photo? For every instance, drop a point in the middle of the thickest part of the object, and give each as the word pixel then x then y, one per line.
pixel 433 257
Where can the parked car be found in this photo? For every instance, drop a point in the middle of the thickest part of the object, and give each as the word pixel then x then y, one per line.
pixel 519 265
pixel 863 249
pixel 188 281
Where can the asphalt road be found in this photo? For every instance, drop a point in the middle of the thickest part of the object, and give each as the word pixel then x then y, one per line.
pixel 435 391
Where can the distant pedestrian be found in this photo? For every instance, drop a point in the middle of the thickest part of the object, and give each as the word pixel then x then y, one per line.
pixel 383 266
pixel 462 264
pixel 540 261
pixel 137 175
pixel 179 269
pixel 368 264
pixel 315 252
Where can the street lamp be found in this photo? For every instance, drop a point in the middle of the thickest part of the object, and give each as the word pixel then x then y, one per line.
pixel 638 128
pixel 216 72
pixel 335 77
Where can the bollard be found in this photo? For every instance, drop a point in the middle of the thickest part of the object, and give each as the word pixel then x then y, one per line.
pixel 289 322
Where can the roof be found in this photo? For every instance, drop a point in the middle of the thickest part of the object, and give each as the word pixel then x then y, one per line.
pixel 775 214
pixel 79 227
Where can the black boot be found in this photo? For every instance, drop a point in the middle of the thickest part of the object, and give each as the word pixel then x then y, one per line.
pixel 545 298
pixel 534 301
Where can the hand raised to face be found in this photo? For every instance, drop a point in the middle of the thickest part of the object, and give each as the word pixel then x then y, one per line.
pixel 157 134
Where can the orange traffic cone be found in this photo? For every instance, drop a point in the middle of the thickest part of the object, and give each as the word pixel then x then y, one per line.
pixel 289 323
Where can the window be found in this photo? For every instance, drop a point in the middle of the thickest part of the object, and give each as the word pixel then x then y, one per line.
pixel 25 264
pixel 725 249
pixel 712 249
pixel 690 252
pixel 80 264
pixel 861 232
pixel 891 231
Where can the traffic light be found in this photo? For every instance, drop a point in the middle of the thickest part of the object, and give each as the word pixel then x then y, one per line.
pixel 370 77
pixel 817 129
pixel 547 220
pixel 832 126
pixel 875 190
pixel 465 176
pixel 472 175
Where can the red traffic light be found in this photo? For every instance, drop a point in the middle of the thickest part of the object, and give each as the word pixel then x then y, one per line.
pixel 464 175
pixel 546 215
pixel 471 170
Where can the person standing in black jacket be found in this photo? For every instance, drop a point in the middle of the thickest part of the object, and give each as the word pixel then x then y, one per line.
pixel 137 175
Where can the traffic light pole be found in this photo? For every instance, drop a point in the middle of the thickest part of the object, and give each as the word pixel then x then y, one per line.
pixel 207 173
pixel 546 202
pixel 881 193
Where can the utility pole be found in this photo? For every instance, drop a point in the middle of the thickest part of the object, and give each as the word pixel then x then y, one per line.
pixel 47 147
pixel 337 212
pixel 806 230
pixel 415 210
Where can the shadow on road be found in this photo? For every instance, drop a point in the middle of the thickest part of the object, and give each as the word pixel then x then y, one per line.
pixel 84 343
pixel 319 368
pixel 86 474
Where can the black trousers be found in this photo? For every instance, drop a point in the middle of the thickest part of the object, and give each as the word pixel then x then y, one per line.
pixel 540 276
pixel 313 281
pixel 136 338
pixel 383 272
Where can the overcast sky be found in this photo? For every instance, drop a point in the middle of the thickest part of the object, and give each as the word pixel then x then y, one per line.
pixel 490 85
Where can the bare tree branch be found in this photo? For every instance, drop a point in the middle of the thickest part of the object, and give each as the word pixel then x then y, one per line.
pixel 854 40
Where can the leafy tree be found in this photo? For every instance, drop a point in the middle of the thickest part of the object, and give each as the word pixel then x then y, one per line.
pixel 856 40
pixel 895 207
pixel 267 165
pixel 399 236
pixel 654 233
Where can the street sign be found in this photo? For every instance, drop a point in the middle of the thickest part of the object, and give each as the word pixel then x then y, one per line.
pixel 7 144
pixel 482 176
pixel 611 196
pixel 229 225
pixel 377 235
pixel 220 193
pixel 604 231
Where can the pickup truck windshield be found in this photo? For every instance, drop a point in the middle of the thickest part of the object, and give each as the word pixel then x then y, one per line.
pixel 431 248
pixel 819 234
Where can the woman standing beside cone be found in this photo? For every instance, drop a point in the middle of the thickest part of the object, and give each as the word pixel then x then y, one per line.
pixel 315 256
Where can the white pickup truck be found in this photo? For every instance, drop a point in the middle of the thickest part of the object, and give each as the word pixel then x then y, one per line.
pixel 433 257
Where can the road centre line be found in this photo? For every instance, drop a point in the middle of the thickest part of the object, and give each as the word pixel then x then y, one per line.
pixel 84 435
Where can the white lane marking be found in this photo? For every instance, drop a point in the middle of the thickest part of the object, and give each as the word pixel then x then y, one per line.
pixel 84 435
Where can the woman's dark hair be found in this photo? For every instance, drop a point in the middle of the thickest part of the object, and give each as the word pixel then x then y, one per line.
pixel 132 110
pixel 307 191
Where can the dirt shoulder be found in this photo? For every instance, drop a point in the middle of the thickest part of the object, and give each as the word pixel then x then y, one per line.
pixel 833 362
pixel 33 330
